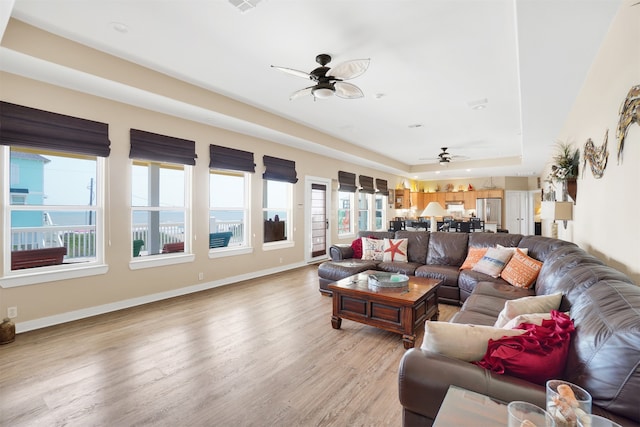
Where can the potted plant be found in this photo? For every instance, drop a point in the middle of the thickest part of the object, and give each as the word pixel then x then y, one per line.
pixel 565 169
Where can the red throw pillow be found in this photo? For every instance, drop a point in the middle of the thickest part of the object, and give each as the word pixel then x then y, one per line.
pixel 537 355
pixel 356 245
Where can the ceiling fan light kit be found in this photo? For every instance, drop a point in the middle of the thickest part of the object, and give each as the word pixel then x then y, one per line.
pixel 330 81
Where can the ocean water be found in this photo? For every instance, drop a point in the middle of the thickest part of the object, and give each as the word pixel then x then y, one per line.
pixel 87 218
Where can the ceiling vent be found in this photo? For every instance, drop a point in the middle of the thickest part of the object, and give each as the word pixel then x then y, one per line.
pixel 245 5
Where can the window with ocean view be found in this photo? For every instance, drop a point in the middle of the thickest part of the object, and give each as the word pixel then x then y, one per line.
pixel 228 209
pixel 54 208
pixel 158 208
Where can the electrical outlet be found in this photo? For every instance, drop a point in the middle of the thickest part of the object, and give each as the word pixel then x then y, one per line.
pixel 12 312
pixel 200 276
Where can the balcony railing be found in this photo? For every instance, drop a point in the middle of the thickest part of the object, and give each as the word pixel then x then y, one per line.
pixel 80 239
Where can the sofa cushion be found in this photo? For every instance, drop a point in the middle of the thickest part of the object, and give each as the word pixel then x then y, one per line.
pixel 395 250
pixel 337 270
pixel 493 262
pixel 521 270
pixel 535 318
pixel 447 273
pixel 469 279
pixel 491 240
pixel 465 342
pixel 408 268
pixel 417 246
pixel 447 248
pixel 532 304
pixel 537 355
pixel 502 290
pixel 473 317
pixel 540 247
pixel 604 357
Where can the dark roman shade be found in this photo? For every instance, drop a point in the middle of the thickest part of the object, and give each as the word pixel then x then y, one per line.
pixel 347 181
pixel 38 129
pixel 230 159
pixel 366 184
pixel 381 186
pixel 161 148
pixel 279 169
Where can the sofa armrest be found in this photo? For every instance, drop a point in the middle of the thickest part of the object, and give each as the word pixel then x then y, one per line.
pixel 425 377
pixel 339 252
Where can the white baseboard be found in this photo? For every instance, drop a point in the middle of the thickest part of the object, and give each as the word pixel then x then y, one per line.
pixel 83 313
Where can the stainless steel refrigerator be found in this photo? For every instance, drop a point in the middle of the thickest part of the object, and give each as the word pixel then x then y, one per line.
pixel 490 211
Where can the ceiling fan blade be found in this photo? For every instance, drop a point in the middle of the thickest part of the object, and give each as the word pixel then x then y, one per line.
pixel 300 93
pixel 348 90
pixel 293 72
pixel 350 69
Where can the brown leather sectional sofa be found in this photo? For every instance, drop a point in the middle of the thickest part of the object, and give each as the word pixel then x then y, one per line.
pixel 604 354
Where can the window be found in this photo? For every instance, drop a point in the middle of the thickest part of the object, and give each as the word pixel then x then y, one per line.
pixel 159 212
pixel 345 213
pixel 228 209
pixel 364 203
pixel 53 168
pixel 160 196
pixel 380 212
pixel 56 206
pixel 277 211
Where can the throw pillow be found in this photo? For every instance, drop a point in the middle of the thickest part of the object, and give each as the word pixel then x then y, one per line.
pixel 535 318
pixel 473 256
pixel 395 250
pixel 493 262
pixel 372 249
pixel 356 245
pixel 527 305
pixel 521 270
pixel 537 355
pixel 512 249
pixel 461 341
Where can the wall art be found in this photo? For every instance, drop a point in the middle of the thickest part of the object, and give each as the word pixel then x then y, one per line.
pixel 597 156
pixel 629 113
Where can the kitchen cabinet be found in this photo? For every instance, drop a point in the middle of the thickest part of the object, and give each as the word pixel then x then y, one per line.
pixel 490 194
pixel 403 198
pixel 418 201
pixel 469 200
pixel 435 197
pixel 457 196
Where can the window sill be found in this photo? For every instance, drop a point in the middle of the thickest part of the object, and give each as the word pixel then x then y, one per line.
pixel 272 246
pixel 227 252
pixel 26 277
pixel 160 260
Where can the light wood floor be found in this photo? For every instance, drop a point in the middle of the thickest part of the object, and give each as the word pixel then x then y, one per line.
pixel 256 353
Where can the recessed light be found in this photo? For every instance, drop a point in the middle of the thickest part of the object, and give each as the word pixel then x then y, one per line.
pixel 120 27
pixel 437 172
pixel 468 170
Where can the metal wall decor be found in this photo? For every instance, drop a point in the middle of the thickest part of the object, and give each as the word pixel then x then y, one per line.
pixel 597 156
pixel 629 113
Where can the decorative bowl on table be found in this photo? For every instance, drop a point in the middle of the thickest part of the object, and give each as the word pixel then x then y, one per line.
pixel 388 281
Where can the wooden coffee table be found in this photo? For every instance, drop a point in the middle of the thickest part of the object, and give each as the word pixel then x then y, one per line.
pixel 396 311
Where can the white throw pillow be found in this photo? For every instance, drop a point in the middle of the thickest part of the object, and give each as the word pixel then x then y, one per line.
pixel 395 250
pixel 535 318
pixel 493 262
pixel 372 249
pixel 513 249
pixel 461 341
pixel 528 305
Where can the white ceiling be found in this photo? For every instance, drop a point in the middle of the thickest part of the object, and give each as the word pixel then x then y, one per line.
pixel 430 59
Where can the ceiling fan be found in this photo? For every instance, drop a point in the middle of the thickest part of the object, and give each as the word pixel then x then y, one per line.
pixel 330 81
pixel 444 158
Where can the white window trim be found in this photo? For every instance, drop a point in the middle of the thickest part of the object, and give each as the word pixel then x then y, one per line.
pixel 30 276
pixel 246 247
pixel 352 230
pixel 280 244
pixel 158 260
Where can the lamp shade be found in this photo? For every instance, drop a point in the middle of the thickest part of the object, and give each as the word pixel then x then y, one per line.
pixel 561 211
pixel 434 209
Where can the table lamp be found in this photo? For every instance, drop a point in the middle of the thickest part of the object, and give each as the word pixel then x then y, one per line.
pixel 433 210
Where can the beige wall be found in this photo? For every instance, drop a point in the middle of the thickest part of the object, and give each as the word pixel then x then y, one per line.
pixel 606 210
